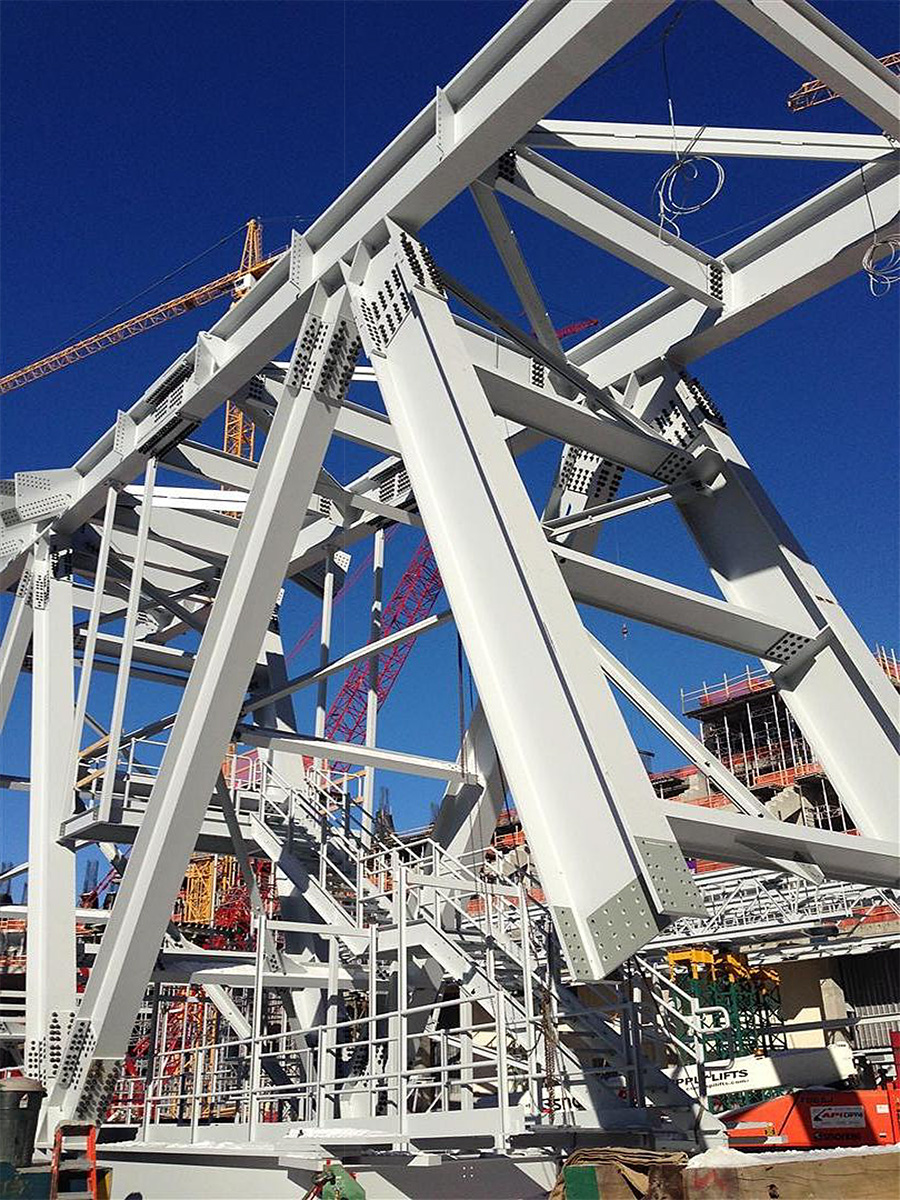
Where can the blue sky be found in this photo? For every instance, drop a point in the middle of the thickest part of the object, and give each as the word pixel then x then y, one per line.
pixel 136 136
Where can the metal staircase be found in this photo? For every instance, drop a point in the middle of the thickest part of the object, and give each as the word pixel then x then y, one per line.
pixel 491 938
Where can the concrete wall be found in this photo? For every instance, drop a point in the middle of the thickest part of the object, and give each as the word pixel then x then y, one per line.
pixel 810 991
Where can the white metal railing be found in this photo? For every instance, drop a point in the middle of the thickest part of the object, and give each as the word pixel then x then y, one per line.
pixel 398 887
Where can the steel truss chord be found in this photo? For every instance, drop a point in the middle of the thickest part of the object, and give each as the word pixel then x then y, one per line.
pixel 705 139
pixel 802 33
pixel 521 630
pixel 549 190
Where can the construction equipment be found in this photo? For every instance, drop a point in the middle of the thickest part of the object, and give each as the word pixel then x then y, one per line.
pixel 816 91
pixel 413 600
pixel 234 283
pixel 821 1119
pixel 74 1153
pixel 239 429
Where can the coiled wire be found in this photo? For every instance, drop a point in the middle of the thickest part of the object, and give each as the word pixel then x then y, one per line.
pixel 881 262
pixel 885 273
pixel 684 173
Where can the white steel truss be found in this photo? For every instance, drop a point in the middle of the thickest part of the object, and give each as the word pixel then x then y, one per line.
pixel 463 397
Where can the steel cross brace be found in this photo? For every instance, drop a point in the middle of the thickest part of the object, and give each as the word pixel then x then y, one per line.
pixel 50 979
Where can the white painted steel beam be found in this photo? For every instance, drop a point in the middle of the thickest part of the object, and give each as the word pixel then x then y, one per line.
pixel 549 190
pixel 150 653
pixel 226 659
pixel 677 733
pixel 715 141
pixel 692 748
pixel 523 637
pixel 347 660
pixel 50 979
pixel 816 245
pixel 658 602
pixel 538 407
pixel 514 263
pixel 375 757
pixel 801 32
pixel 561 527
pixel 126 646
pixel 722 835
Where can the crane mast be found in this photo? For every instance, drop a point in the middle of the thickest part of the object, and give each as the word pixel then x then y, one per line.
pixel 239 429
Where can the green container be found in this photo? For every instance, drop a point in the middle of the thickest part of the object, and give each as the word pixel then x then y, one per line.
pixel 581 1183
pixel 20 1107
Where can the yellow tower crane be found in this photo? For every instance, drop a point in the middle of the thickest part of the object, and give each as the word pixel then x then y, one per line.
pixel 239 430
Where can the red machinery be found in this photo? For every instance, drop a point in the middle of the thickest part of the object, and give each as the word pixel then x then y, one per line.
pixel 814 1119
pixel 412 601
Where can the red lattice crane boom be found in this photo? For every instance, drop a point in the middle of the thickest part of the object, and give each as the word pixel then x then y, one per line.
pixel 413 599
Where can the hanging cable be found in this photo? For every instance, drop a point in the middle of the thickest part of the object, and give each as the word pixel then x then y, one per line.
pixel 673 188
pixel 881 261
pixel 137 296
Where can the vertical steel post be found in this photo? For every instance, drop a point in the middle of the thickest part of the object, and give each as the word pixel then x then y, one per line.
pixel 50 979
pixel 332 1008
pixel 373 1016
pixel 90 641
pixel 127 647
pixel 530 1036
pixel 324 651
pixel 256 1032
pixel 402 1003
pixel 368 807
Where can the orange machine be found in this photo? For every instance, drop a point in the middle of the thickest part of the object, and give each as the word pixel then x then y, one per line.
pixel 818 1119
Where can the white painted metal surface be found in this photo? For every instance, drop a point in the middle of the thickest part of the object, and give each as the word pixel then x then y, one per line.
pixel 465 992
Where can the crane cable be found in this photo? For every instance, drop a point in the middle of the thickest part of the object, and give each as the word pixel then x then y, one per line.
pixel 150 287
pixel 687 168
pixel 883 275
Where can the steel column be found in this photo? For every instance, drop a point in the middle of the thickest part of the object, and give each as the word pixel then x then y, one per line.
pixel 368 808
pixel 50 979
pixel 524 639
pixel 128 635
